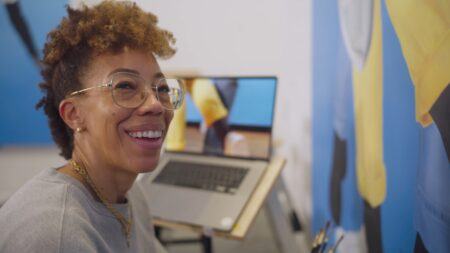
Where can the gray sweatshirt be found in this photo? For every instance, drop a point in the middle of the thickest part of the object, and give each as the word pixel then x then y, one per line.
pixel 54 212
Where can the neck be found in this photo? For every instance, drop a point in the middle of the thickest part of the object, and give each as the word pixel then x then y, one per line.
pixel 113 183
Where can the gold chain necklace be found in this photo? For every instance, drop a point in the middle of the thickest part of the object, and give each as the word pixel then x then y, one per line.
pixel 126 224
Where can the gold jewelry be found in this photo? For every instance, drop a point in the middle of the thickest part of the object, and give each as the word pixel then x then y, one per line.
pixel 126 223
pixel 79 129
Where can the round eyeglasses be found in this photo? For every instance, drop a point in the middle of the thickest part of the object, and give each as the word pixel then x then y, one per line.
pixel 130 90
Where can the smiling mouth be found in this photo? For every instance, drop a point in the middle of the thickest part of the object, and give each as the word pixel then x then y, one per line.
pixel 147 139
pixel 146 134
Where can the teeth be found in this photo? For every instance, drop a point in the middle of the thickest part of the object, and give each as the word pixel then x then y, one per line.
pixel 146 134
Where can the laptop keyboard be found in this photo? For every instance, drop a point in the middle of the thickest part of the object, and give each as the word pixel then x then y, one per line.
pixel 222 179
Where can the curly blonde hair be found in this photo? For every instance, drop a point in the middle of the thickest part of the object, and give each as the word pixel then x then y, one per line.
pixel 105 28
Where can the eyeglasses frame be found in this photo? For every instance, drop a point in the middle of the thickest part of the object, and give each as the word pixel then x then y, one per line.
pixel 109 85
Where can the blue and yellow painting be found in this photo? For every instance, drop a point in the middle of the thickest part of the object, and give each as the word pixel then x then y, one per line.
pixel 380 142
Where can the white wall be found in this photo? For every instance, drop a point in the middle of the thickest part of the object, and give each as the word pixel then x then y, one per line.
pixel 253 37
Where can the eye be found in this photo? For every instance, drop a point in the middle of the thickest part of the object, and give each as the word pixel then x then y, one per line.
pixel 125 85
pixel 163 89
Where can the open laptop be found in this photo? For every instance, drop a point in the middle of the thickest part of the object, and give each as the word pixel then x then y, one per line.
pixel 208 177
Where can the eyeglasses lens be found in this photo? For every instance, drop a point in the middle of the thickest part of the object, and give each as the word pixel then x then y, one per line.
pixel 129 91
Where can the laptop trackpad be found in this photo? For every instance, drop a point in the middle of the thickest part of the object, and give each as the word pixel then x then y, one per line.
pixel 194 206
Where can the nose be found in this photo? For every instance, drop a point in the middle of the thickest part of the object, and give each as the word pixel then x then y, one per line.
pixel 151 104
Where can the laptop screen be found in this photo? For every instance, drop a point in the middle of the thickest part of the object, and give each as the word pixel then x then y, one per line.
pixel 225 116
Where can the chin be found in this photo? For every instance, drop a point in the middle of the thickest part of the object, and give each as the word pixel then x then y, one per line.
pixel 146 165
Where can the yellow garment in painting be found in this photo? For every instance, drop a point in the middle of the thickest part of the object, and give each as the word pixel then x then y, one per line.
pixel 176 139
pixel 206 98
pixel 368 106
pixel 423 28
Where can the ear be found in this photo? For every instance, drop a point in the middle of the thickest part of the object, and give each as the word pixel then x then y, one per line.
pixel 69 111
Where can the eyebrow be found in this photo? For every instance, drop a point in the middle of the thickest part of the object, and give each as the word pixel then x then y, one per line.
pixel 124 70
pixel 156 75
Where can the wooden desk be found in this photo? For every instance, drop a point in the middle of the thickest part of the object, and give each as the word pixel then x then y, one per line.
pixel 257 199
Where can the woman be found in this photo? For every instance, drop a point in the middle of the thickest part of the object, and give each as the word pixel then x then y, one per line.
pixel 109 108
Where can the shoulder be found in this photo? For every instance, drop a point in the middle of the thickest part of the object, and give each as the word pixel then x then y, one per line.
pixel 33 214
pixel 38 213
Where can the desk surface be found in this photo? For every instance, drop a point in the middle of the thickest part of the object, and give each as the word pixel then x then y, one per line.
pixel 249 213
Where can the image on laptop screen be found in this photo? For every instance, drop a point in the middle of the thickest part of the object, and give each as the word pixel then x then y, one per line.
pixel 226 116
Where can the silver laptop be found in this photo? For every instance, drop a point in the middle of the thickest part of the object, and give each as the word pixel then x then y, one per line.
pixel 208 180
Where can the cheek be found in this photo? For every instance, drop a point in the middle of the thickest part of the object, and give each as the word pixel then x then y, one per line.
pixel 108 126
pixel 114 121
